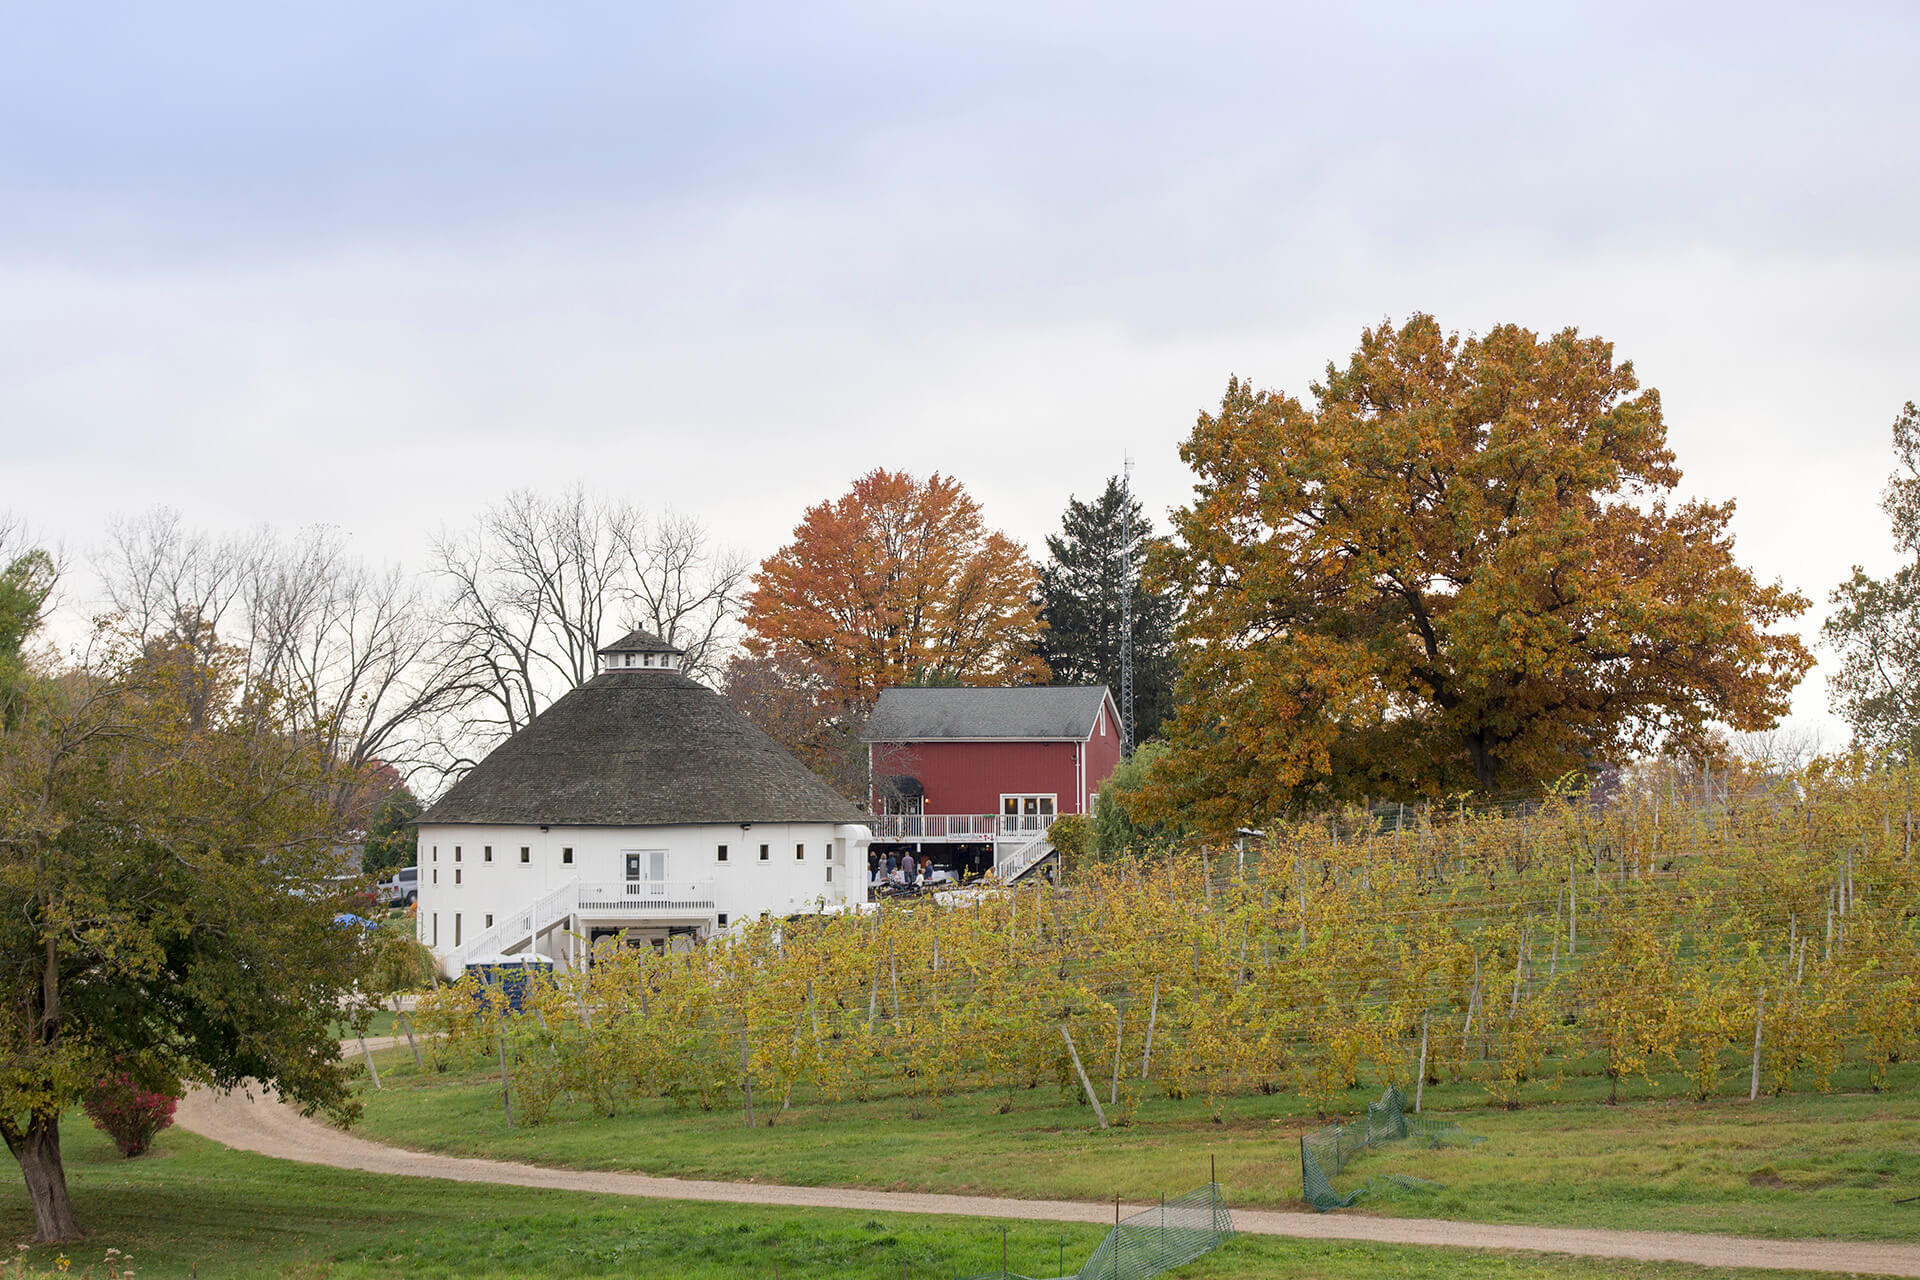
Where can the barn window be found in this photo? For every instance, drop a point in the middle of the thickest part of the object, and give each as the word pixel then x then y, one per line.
pixel 489 920
pixel 456 928
pixel 436 875
pixel 799 852
pixel 486 853
pixel 526 854
pixel 566 854
pixel 723 919
pixel 436 853
pixel 721 856
pixel 829 875
pixel 456 875
pixel 763 853
pixel 456 853
pixel 436 928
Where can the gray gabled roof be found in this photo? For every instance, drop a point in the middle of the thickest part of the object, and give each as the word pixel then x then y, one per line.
pixel 634 749
pixel 1057 712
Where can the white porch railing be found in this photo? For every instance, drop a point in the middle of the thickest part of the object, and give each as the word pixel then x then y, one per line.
pixel 987 828
pixel 644 897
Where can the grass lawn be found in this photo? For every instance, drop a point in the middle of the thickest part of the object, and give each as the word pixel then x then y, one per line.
pixel 382 1023
pixel 196 1209
pixel 1806 1165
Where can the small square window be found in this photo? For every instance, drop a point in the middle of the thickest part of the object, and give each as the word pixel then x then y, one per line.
pixel 799 852
pixel 566 855
pixel 486 853
pixel 489 920
pixel 722 855
pixel 763 853
pixel 723 919
pixel 526 854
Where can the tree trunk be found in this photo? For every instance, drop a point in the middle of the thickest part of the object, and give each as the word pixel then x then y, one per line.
pixel 38 1151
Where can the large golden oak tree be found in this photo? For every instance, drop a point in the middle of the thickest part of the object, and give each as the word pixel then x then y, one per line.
pixel 1461 567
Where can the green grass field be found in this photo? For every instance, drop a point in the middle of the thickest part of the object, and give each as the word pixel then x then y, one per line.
pixel 193 1209
pixel 1805 1165
pixel 382 1023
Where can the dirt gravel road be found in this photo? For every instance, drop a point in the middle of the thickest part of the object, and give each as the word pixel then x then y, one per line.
pixel 265 1125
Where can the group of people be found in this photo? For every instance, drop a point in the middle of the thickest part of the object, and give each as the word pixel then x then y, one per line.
pixel 902 871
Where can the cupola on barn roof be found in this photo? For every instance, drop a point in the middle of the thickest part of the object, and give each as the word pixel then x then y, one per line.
pixel 638 641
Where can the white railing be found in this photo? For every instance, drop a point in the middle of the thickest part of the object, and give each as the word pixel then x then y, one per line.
pixel 522 926
pixel 986 827
pixel 640 897
pixel 1012 863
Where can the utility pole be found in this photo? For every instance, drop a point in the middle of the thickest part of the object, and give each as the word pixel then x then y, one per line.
pixel 1126 606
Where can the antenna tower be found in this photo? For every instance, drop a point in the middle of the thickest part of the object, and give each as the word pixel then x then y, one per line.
pixel 1126 605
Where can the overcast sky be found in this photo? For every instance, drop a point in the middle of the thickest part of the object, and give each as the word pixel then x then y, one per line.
pixel 376 265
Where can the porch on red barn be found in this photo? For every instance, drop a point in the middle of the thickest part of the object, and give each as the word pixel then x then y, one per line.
pixel 1007 844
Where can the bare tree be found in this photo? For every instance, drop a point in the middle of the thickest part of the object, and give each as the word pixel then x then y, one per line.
pixel 684 589
pixel 539 583
pixel 1778 751
pixel 354 652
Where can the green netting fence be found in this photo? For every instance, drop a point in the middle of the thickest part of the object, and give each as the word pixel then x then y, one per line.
pixel 1325 1153
pixel 1168 1235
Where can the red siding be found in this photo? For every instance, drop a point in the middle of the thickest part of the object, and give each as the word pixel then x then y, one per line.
pixel 1103 752
pixel 970 777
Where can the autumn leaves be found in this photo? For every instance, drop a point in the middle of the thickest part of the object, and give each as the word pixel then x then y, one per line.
pixel 1719 945
pixel 1459 567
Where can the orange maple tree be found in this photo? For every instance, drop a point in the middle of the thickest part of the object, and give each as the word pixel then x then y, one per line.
pixel 898 579
pixel 1460 567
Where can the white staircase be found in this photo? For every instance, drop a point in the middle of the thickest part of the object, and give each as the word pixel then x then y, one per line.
pixel 515 932
pixel 1010 862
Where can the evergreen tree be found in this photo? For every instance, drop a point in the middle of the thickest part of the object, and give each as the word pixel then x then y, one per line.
pixel 1080 602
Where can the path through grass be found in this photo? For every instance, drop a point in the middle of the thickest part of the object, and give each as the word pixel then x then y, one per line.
pixel 1806 1165
pixel 196 1209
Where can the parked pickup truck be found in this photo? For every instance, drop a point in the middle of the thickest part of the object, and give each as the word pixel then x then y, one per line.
pixel 403 890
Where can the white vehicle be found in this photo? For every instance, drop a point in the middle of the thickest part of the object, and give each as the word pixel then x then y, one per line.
pixel 403 890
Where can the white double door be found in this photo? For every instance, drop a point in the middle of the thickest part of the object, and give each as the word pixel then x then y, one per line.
pixel 1026 813
pixel 646 872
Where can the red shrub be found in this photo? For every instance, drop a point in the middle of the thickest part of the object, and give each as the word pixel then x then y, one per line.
pixel 127 1113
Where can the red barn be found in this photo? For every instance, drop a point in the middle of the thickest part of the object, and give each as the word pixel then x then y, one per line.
pixel 974 777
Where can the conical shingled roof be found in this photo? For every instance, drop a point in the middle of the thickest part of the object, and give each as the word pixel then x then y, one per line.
pixel 638 641
pixel 639 750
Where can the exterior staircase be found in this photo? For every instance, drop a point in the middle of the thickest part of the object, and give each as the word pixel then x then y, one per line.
pixel 1010 863
pixel 515 932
